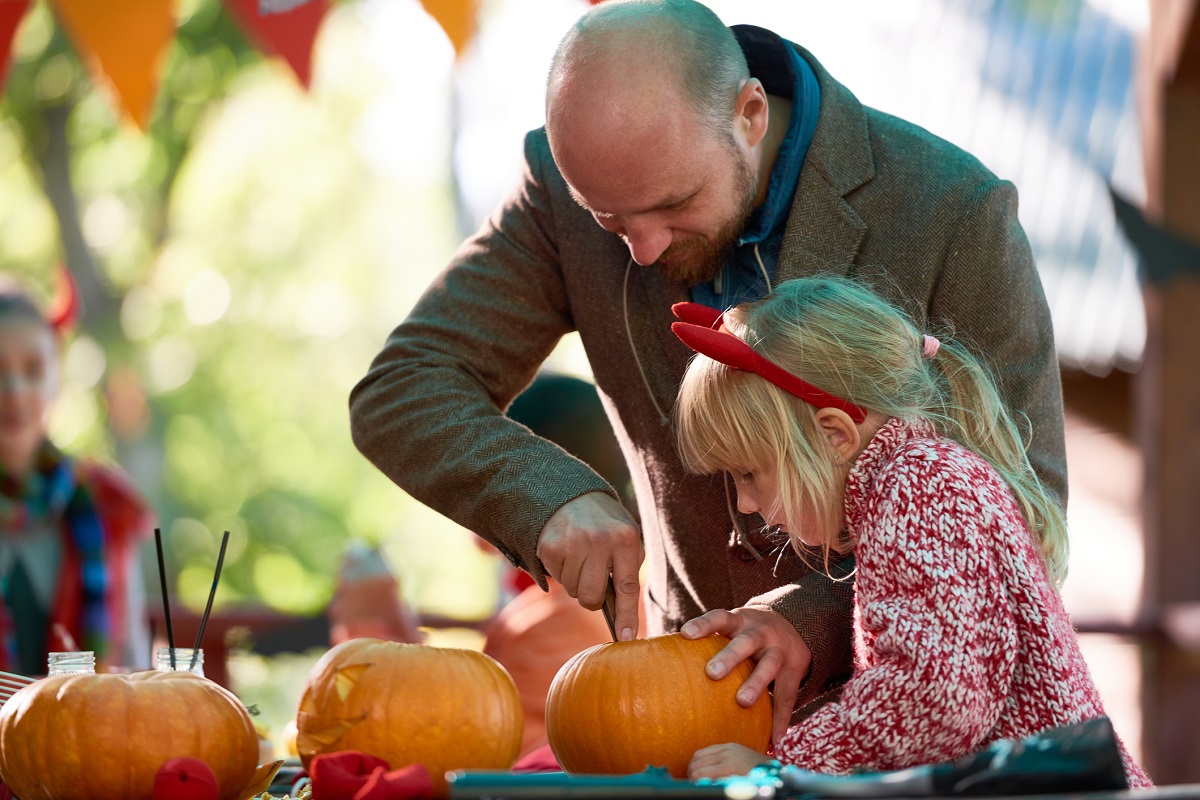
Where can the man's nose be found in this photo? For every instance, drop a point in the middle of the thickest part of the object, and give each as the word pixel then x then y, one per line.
pixel 647 242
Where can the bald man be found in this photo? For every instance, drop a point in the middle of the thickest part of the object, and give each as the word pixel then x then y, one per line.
pixel 682 160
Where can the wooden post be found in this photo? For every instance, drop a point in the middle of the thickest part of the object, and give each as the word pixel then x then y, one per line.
pixel 1167 397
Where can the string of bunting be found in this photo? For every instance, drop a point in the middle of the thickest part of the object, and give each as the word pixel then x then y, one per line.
pixel 124 43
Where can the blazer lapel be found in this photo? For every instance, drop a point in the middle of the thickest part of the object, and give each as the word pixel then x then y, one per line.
pixel 824 232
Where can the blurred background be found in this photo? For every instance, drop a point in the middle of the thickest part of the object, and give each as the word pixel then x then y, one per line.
pixel 252 206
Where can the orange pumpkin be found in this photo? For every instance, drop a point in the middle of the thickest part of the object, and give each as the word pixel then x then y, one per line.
pixel 621 707
pixel 95 737
pixel 442 707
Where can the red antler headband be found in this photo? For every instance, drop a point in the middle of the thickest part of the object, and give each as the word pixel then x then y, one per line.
pixel 64 307
pixel 699 330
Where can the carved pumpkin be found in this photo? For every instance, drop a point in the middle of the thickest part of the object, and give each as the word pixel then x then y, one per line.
pixel 441 707
pixel 621 707
pixel 94 737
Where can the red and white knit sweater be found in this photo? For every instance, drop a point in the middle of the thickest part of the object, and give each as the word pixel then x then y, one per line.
pixel 961 637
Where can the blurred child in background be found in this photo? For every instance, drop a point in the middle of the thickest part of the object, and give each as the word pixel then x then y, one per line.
pixel 70 576
pixel 367 601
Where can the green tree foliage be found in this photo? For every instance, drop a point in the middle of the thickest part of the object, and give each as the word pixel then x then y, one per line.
pixel 240 264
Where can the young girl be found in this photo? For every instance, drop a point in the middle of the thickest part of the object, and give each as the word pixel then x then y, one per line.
pixel 69 529
pixel 845 426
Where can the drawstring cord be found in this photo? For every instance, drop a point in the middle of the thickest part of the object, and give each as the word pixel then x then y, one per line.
pixel 762 267
pixel 662 417
pixel 718 279
pixel 739 534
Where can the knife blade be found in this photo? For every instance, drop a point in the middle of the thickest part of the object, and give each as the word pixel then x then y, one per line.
pixel 610 607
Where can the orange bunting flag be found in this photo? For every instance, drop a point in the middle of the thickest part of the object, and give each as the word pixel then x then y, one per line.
pixel 11 14
pixel 457 18
pixel 122 44
pixel 284 28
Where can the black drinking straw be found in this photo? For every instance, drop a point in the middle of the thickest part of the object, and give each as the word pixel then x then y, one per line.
pixel 162 579
pixel 211 594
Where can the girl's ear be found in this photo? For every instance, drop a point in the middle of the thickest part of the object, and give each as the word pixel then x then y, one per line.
pixel 842 434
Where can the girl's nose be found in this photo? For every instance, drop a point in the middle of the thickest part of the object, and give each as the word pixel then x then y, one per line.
pixel 745 502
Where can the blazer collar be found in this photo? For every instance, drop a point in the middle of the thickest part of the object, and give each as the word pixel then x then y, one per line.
pixel 824 231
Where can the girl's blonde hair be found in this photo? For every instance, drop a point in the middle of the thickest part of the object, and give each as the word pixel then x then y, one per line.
pixel 848 341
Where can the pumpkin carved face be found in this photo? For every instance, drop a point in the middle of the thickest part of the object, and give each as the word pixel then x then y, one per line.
pixel 440 707
pixel 94 737
pixel 620 707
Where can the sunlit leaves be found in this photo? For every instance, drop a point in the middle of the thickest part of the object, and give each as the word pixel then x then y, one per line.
pixel 258 257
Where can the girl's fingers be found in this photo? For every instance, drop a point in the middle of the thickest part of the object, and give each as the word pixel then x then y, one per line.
pixel 787 687
pixel 768 666
pixel 717 621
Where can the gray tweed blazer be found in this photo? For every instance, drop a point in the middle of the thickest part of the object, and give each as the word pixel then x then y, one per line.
pixel 879 199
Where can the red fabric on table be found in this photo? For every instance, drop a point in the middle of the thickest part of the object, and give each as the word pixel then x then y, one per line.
pixel 540 760
pixel 351 775
pixel 185 778
pixel 412 781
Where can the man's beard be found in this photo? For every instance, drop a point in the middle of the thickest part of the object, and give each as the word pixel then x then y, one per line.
pixel 704 256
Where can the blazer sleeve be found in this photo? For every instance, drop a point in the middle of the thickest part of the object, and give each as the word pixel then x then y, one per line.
pixel 820 607
pixel 430 411
pixel 991 298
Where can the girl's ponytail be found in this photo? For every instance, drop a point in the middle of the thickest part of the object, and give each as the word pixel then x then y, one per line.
pixel 974 414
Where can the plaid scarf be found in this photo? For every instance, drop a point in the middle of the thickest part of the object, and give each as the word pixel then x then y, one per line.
pixel 54 491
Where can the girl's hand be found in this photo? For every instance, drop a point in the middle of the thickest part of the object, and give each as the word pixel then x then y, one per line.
pixel 766 636
pixel 723 760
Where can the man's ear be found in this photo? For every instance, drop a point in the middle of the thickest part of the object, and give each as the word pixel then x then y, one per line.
pixel 751 112
pixel 842 434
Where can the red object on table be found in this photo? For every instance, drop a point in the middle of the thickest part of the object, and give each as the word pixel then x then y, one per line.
pixel 540 760
pixel 351 775
pixel 185 778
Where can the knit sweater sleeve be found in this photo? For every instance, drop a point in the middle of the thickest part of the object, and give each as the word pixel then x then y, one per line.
pixel 935 635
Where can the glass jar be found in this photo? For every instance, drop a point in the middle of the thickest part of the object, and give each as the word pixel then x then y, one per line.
pixel 186 660
pixel 70 663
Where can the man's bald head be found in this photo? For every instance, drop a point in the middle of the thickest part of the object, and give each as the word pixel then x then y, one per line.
pixel 656 126
pixel 622 55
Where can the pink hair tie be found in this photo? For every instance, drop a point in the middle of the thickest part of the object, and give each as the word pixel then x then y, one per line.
pixel 932 343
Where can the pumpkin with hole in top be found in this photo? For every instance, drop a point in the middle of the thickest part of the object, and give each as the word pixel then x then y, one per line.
pixel 100 736
pixel 621 707
pixel 444 708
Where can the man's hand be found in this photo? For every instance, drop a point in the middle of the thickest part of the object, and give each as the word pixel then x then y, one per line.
pixel 723 760
pixel 585 540
pixel 776 647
